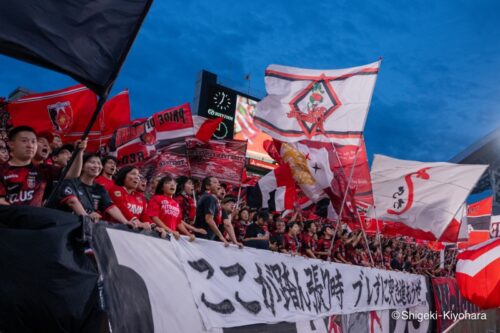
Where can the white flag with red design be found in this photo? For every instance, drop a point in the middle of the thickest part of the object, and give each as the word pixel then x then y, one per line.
pixel 319 105
pixel 478 274
pixel 281 181
pixel 423 196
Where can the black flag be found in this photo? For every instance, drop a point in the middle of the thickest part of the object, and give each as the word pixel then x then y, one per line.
pixel 87 40
pixel 47 283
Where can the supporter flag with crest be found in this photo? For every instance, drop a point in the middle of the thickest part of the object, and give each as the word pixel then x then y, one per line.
pixel 319 105
pixel 55 111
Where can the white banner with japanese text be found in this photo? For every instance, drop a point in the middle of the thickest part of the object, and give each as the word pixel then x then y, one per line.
pixel 233 287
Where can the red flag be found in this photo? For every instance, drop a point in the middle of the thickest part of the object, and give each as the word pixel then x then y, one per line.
pixel 208 128
pixel 114 114
pixel 479 214
pixel 478 274
pixel 224 159
pixel 281 181
pixel 57 112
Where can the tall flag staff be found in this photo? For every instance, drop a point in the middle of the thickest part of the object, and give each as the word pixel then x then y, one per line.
pixel 96 39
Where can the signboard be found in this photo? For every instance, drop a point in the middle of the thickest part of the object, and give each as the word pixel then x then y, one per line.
pixel 244 129
pixel 221 103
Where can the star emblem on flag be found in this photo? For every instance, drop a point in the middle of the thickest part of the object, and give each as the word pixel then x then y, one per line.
pixel 313 105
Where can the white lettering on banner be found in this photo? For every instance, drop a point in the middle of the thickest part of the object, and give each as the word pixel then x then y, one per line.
pixel 235 287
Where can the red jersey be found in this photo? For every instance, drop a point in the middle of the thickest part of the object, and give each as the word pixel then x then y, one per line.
pixel 323 245
pixel 25 185
pixel 108 184
pixel 188 207
pixel 131 204
pixel 291 244
pixel 308 242
pixel 166 209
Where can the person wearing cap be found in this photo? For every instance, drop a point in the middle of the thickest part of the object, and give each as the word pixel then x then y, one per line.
pixel 227 208
pixel 43 147
pixel 61 156
pixel 23 182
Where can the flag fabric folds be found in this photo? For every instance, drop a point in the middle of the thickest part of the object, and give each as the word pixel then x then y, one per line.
pixel 57 111
pixel 208 128
pixel 85 40
pixel 478 274
pixel 479 214
pixel 280 181
pixel 114 114
pixel 423 196
pixel 139 141
pixel 47 283
pixel 319 105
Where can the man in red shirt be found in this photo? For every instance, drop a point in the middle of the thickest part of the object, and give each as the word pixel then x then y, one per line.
pixel 21 181
pixel 105 179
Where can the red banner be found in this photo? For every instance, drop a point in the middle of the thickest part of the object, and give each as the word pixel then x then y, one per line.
pixel 114 114
pixel 448 300
pixel 139 141
pixel 171 159
pixel 60 112
pixel 224 159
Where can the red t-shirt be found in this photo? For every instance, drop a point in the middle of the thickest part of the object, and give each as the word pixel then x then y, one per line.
pixel 131 204
pixel 108 184
pixel 291 244
pixel 166 209
pixel 25 185
pixel 188 207
pixel 324 246
pixel 308 243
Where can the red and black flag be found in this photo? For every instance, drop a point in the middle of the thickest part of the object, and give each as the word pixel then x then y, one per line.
pixel 87 40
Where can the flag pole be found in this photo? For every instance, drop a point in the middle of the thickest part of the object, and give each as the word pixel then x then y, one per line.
pixel 366 238
pixel 64 172
pixel 378 234
pixel 345 195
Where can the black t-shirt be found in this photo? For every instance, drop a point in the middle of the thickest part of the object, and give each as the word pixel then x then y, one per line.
pixel 94 198
pixel 254 230
pixel 206 205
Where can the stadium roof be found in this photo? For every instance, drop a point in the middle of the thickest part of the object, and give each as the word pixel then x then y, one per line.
pixel 484 151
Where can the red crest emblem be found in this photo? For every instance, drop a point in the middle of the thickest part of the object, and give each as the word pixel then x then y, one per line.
pixel 313 105
pixel 61 115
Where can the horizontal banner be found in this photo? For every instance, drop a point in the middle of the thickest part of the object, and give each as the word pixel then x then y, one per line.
pixel 233 287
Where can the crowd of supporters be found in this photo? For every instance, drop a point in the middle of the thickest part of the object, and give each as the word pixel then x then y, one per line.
pixel 31 164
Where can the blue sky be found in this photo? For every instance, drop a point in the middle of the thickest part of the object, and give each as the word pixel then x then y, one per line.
pixel 437 91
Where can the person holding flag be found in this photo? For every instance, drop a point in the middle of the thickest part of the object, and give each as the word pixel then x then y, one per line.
pixel 21 181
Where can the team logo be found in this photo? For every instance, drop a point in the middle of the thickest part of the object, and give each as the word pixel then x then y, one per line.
pixel 68 191
pixel 31 181
pixel 61 115
pixel 403 197
pixel 149 138
pixel 313 105
pixel 118 194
